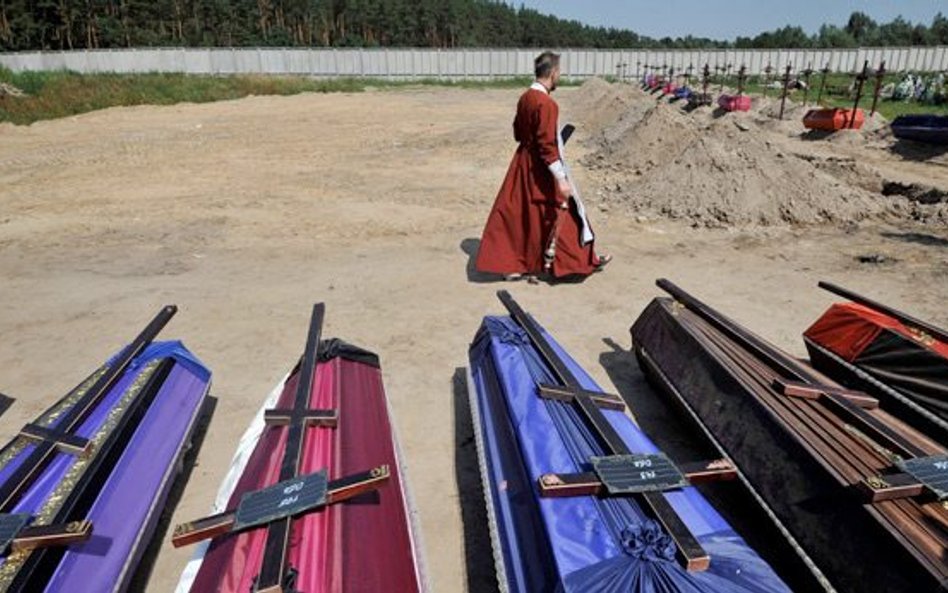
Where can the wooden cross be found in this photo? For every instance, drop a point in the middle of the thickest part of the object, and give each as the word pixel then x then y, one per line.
pixel 223 523
pixel 590 483
pixel 16 534
pixel 276 576
pixel 851 406
pixel 569 393
pixel 815 392
pixel 288 416
pixel 62 441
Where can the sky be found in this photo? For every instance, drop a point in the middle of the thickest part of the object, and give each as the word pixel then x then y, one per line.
pixel 727 20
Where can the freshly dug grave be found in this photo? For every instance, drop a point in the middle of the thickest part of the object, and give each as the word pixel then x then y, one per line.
pixel 733 170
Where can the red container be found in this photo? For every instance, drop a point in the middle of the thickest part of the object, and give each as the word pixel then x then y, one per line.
pixel 669 89
pixel 833 119
pixel 734 102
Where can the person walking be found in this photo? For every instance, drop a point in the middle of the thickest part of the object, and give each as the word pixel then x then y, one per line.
pixel 538 222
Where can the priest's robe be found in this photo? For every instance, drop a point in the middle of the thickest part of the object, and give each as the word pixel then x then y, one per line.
pixel 525 211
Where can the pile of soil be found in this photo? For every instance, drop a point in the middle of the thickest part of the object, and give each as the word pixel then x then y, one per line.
pixel 713 169
pixel 602 105
pixel 642 139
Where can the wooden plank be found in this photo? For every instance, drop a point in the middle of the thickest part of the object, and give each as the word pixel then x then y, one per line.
pixel 588 483
pixel 569 485
pixel 688 551
pixel 47 536
pixel 704 472
pixel 876 429
pixel 891 487
pixel 808 391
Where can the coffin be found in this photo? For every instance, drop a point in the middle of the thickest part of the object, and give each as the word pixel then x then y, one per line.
pixel 905 367
pixel 136 414
pixel 368 543
pixel 813 465
pixel 833 119
pixel 931 129
pixel 578 544
pixel 734 102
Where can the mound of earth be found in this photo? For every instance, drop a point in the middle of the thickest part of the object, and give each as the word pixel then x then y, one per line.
pixel 644 138
pixel 736 170
pixel 601 105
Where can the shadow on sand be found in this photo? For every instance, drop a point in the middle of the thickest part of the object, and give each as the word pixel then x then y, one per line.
pixel 470 246
pixel 918 151
pixel 478 556
pixel 919 238
pixel 5 402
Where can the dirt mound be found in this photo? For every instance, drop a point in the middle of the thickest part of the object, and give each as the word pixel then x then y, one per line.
pixel 642 139
pixel 719 181
pixel 732 169
pixel 599 105
pixel 766 114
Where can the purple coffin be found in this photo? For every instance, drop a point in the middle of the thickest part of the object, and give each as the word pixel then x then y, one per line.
pixel 126 508
pixel 126 512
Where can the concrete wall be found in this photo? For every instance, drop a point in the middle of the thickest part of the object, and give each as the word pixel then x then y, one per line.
pixel 462 63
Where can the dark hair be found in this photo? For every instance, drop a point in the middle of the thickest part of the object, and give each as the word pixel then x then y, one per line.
pixel 545 63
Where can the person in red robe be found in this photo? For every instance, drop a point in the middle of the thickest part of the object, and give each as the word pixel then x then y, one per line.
pixel 538 222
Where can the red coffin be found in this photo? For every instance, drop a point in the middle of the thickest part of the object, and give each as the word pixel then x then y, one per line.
pixel 833 119
pixel 906 368
pixel 734 102
pixel 362 545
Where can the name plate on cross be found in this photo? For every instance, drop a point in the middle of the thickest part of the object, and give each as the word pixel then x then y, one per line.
pixel 282 500
pixel 635 473
pixel 931 471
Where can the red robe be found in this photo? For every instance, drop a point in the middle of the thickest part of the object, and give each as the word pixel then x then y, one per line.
pixel 522 219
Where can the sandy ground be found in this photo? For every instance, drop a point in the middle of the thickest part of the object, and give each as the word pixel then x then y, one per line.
pixel 244 213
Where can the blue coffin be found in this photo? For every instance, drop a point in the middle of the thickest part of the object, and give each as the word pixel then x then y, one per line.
pixel 580 544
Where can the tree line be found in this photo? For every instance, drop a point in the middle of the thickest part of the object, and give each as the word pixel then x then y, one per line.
pixel 76 24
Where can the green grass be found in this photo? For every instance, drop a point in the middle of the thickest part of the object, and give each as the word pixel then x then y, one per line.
pixel 836 94
pixel 59 94
pixel 52 95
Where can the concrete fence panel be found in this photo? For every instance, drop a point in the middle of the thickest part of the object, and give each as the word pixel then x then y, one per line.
pixel 409 63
